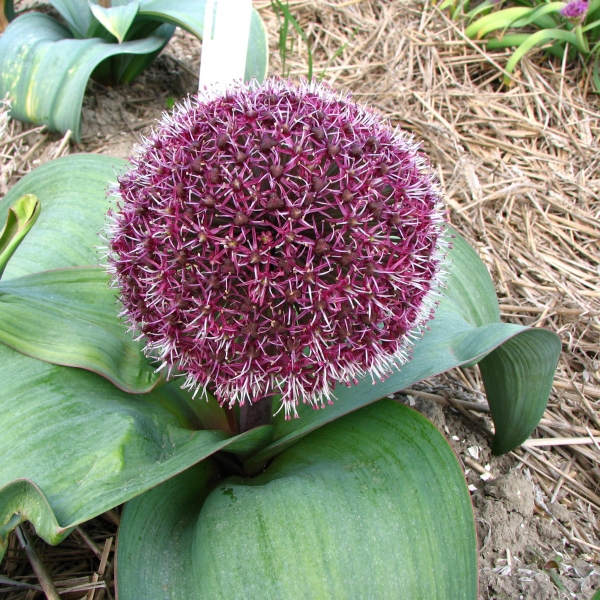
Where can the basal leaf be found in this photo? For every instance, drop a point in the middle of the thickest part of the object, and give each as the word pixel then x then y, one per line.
pixel 507 41
pixel 372 506
pixel 72 194
pixel 518 377
pixel 496 20
pixel 76 13
pixel 116 19
pixel 69 317
pixel 540 11
pixel 45 72
pixel 84 446
pixel 469 288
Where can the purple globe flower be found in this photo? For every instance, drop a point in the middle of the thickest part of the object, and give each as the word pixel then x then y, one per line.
pixel 277 239
pixel 575 11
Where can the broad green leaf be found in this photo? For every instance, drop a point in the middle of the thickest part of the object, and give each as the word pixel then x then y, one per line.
pixel 469 288
pixel 45 72
pixel 116 19
pixel 214 416
pixel 84 446
pixel 466 328
pixel 447 4
pixel 372 506
pixel 189 15
pixel 69 317
pixel 21 218
pixel 536 39
pixel 76 13
pixel 125 68
pixel 518 377
pixel 72 194
pixel 596 72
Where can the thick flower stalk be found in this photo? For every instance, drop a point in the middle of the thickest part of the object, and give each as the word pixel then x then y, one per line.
pixel 277 239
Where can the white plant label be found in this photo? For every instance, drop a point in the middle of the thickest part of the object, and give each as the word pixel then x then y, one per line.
pixel 225 42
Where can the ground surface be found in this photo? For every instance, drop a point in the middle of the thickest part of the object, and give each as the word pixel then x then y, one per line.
pixel 520 169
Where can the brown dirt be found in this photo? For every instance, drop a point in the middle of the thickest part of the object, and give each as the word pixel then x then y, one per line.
pixel 520 169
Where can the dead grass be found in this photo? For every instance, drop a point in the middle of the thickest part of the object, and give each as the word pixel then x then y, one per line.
pixel 23 147
pixel 520 169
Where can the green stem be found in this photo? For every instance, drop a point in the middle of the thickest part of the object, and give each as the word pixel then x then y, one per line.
pixel 256 413
pixel 581 39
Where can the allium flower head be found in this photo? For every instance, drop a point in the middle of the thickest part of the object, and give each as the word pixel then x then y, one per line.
pixel 575 10
pixel 277 239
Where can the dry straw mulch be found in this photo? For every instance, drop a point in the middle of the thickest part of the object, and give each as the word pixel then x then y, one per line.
pixel 520 170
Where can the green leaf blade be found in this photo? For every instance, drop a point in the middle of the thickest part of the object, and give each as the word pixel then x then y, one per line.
pixel 69 317
pixel 116 19
pixel 45 72
pixel 536 39
pixel 72 194
pixel 518 378
pixel 365 495
pixel 76 13
pixel 469 287
pixel 21 217
pixel 22 501
pixel 101 446
pixel 496 20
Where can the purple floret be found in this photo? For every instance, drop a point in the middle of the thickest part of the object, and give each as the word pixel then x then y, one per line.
pixel 575 10
pixel 277 238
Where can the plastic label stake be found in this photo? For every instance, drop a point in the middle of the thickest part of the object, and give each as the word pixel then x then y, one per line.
pixel 225 42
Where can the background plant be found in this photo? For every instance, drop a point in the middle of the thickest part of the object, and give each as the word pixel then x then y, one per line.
pixel 45 64
pixel 285 42
pixel 561 28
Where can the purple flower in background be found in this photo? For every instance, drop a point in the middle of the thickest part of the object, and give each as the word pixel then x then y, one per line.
pixel 277 239
pixel 575 11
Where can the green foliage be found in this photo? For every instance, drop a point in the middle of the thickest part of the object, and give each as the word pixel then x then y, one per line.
pixel 45 65
pixel 549 25
pixel 20 219
pixel 285 18
pixel 357 519
pixel 286 42
pixel 71 321
pixel 352 491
